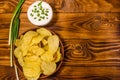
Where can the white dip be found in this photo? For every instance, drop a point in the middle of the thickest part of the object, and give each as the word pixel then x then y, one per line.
pixel 40 13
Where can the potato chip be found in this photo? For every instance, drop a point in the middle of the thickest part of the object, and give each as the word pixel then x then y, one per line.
pixel 25 52
pixel 53 43
pixel 32 72
pixel 32 78
pixel 17 52
pixel 46 48
pixel 47 57
pixel 37 39
pixel 44 32
pixel 44 42
pixel 20 60
pixel 36 50
pixel 32 64
pixel 48 67
pixel 28 36
pixel 32 58
pixel 35 78
pixel 21 37
pixel 24 48
pixel 33 68
pixel 18 42
pixel 57 56
pixel 39 51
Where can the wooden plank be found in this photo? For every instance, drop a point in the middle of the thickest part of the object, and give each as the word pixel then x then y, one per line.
pixel 70 73
pixel 83 52
pixel 8 6
pixel 88 73
pixel 83 25
pixel 92 52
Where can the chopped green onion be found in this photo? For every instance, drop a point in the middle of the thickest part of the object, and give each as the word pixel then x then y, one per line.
pixel 46 11
pixel 43 17
pixel 35 9
pixel 35 18
pixel 39 4
pixel 39 19
pixel 32 10
pixel 14 26
pixel 31 14
pixel 46 14
pixel 38 10
pixel 38 14
pixel 35 6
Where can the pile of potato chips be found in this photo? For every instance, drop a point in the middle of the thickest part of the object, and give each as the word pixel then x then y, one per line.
pixel 38 52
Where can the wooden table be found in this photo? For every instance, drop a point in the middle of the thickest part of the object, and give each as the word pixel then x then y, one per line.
pixel 90 32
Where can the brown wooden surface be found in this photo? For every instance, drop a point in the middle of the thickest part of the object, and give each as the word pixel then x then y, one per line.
pixel 90 32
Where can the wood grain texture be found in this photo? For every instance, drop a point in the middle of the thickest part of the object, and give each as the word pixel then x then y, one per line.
pixel 83 25
pixel 7 6
pixel 70 73
pixel 89 30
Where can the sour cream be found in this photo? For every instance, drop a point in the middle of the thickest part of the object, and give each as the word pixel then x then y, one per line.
pixel 40 13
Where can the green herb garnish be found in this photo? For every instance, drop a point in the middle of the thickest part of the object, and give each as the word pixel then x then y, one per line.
pixel 40 4
pixel 31 14
pixel 39 19
pixel 40 7
pixel 35 18
pixel 35 6
pixel 38 15
pixel 46 14
pixel 39 11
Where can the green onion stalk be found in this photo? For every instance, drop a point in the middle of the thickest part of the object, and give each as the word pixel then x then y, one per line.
pixel 14 28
